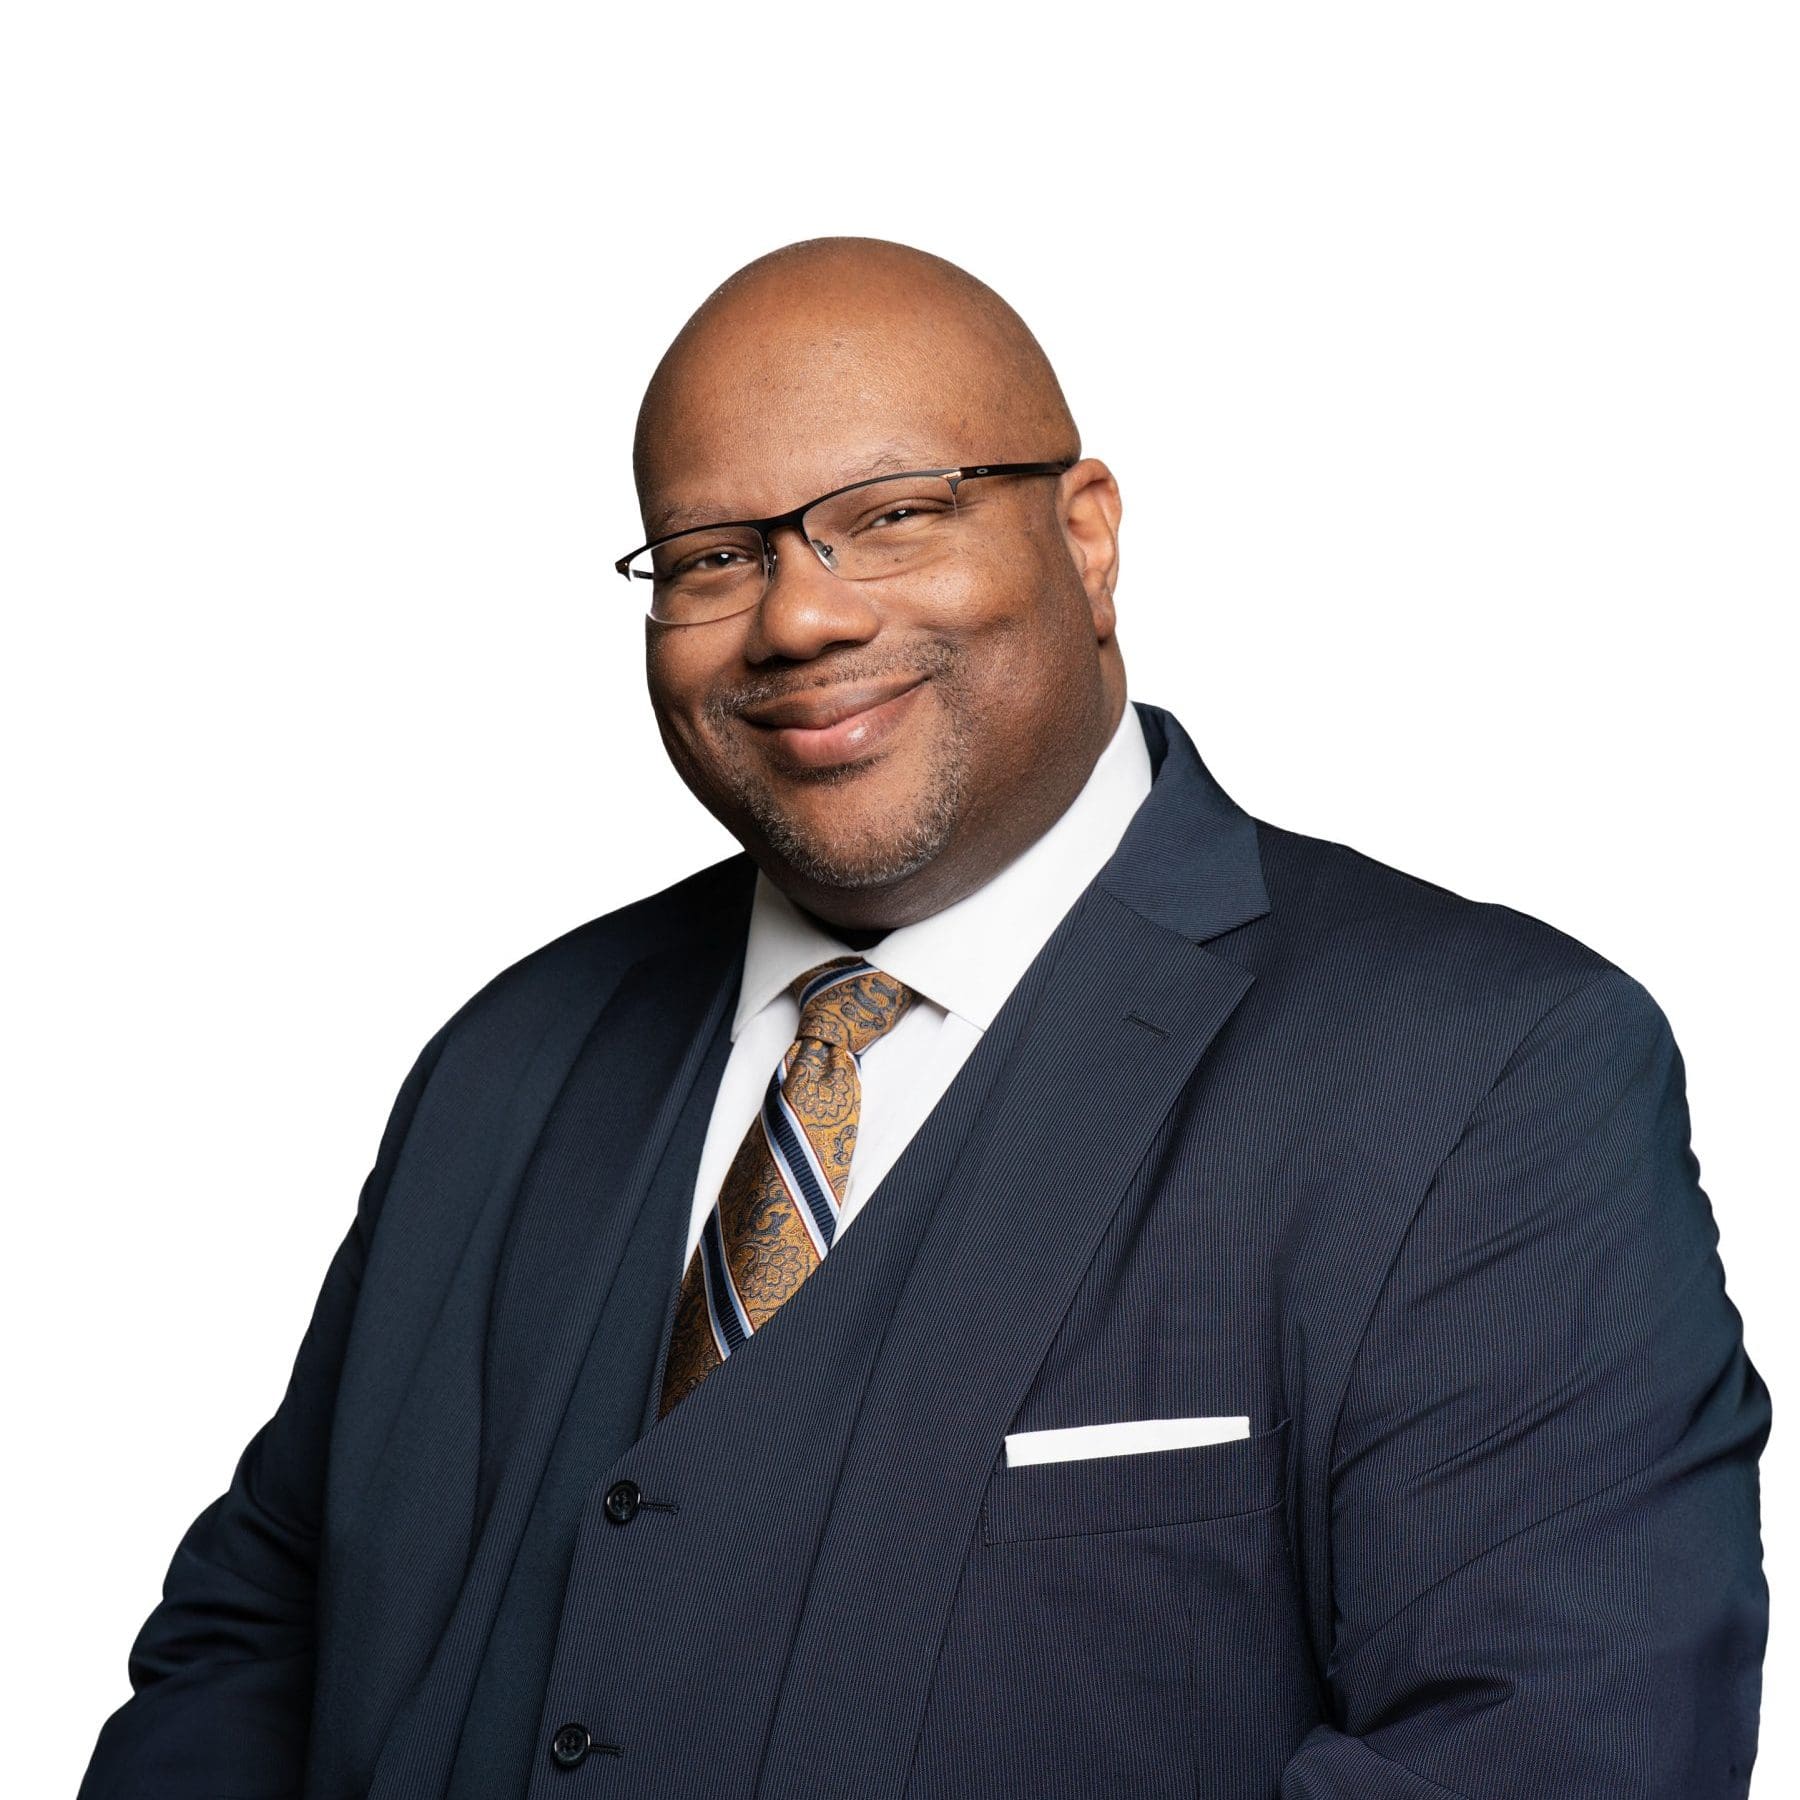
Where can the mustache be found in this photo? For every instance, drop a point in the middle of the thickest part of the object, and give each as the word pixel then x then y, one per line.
pixel 933 658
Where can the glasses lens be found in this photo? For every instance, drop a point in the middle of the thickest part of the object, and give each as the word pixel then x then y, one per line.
pixel 706 573
pixel 884 528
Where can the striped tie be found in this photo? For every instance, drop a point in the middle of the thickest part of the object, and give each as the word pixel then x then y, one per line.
pixel 778 1207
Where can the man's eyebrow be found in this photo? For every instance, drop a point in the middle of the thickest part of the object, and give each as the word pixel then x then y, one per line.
pixel 888 460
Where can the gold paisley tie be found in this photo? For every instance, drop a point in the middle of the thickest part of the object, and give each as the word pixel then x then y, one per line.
pixel 778 1207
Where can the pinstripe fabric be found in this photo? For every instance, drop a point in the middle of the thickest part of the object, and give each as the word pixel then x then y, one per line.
pixel 777 1210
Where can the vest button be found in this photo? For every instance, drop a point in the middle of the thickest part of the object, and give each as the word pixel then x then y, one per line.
pixel 622 1502
pixel 570 1745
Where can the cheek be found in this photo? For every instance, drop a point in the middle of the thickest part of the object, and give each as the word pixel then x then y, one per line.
pixel 678 686
pixel 678 678
pixel 1023 635
pixel 1031 671
pixel 985 603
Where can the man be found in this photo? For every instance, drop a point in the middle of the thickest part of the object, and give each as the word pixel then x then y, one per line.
pixel 1026 1281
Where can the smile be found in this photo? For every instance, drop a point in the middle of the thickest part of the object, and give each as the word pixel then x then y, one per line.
pixel 825 728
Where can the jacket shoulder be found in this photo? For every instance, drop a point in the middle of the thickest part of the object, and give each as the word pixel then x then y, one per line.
pixel 1341 913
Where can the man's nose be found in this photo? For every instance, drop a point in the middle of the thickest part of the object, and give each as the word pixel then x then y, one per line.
pixel 805 608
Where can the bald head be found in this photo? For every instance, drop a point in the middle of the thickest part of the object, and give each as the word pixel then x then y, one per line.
pixel 836 355
pixel 882 738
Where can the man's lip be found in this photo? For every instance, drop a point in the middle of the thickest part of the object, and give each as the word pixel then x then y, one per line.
pixel 819 707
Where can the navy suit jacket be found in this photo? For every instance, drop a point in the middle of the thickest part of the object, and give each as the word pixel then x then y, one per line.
pixel 1267 1128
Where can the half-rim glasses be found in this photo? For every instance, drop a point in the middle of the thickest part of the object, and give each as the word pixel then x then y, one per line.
pixel 885 525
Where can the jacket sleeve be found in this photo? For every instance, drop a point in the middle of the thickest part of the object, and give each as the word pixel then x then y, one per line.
pixel 1545 1518
pixel 222 1670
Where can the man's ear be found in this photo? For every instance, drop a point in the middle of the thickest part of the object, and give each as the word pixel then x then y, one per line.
pixel 1088 497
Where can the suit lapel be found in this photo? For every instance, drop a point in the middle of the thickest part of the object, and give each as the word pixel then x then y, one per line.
pixel 579 1202
pixel 1121 1025
pixel 587 1185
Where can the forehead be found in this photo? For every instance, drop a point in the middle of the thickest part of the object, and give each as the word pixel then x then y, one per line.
pixel 754 422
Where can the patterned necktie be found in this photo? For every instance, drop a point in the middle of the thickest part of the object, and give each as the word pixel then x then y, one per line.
pixel 778 1207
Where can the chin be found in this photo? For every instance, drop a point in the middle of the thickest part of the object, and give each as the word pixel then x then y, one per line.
pixel 831 858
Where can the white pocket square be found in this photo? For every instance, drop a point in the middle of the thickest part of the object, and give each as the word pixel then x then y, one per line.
pixel 1121 1437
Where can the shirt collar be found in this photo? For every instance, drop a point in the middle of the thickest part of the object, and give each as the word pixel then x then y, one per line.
pixel 969 956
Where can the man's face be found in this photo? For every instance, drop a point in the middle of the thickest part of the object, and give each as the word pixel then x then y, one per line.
pixel 881 746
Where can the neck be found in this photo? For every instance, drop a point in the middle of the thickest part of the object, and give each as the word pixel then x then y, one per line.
pixel 858 937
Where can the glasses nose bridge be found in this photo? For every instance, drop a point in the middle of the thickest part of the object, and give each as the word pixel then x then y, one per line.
pixel 796 523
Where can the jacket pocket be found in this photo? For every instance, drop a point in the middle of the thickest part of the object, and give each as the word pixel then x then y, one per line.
pixel 1136 1489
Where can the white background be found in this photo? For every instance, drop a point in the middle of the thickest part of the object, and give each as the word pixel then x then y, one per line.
pixel 1446 356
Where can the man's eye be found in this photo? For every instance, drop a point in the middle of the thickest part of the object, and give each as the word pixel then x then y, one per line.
pixel 708 562
pixel 911 513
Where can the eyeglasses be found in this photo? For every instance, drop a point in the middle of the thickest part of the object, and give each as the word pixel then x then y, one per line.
pixel 887 525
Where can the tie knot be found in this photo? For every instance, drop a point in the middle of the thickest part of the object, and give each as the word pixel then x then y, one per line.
pixel 849 1002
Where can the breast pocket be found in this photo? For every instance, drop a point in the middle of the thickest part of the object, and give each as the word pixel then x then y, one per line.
pixel 1136 1489
pixel 1125 1624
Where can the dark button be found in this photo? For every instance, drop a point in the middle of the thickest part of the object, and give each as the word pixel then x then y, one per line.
pixel 622 1502
pixel 570 1745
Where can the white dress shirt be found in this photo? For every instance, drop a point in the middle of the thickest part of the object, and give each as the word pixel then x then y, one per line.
pixel 961 964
